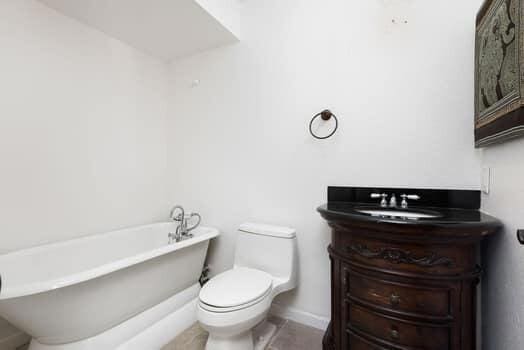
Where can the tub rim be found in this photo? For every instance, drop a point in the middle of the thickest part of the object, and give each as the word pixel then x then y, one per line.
pixel 27 289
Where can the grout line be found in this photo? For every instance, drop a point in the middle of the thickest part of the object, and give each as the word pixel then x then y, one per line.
pixel 275 336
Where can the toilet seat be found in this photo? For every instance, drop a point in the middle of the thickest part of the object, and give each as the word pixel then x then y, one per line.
pixel 235 289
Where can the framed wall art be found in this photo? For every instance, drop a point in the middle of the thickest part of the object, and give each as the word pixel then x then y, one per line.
pixel 499 82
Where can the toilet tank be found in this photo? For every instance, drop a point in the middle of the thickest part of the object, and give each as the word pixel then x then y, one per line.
pixel 272 249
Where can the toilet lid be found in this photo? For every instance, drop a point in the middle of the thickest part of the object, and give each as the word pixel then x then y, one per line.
pixel 235 287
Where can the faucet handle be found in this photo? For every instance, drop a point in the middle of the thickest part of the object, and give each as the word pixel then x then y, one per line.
pixel 411 196
pixel 383 202
pixel 405 198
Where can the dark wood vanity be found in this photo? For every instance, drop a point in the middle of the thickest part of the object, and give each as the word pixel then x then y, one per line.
pixel 401 283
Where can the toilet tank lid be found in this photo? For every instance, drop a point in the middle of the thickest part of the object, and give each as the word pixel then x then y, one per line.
pixel 268 230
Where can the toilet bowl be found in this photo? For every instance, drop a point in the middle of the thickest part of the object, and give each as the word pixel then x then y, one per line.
pixel 235 301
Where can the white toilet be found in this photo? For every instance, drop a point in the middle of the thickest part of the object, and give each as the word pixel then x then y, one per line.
pixel 234 302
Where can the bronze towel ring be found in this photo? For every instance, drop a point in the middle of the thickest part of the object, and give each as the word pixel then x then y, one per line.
pixel 325 115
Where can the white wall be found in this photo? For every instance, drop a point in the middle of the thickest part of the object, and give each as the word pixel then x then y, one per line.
pixel 83 137
pixel 503 256
pixel 239 145
pixel 82 129
pixel 227 13
pixel 82 132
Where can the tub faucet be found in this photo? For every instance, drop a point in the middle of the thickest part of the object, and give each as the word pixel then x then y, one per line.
pixel 180 215
pixel 182 230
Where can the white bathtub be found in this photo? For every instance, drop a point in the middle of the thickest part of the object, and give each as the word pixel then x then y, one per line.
pixel 99 291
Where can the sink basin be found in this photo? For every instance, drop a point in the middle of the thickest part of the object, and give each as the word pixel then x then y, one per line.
pixel 398 213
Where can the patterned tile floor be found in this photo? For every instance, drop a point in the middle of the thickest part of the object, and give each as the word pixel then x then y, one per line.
pixel 289 336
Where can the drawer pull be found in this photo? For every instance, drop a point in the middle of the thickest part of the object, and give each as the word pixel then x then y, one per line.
pixel 394 299
pixel 394 334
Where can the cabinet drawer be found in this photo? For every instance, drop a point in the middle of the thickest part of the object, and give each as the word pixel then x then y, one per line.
pixel 358 343
pixel 413 299
pixel 392 330
pixel 405 258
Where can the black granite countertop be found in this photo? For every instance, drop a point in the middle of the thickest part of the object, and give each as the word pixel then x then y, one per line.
pixel 452 208
pixel 451 217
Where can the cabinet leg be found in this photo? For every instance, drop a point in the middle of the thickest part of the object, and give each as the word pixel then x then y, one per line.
pixel 327 341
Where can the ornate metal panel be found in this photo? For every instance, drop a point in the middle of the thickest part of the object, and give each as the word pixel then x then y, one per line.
pixel 498 83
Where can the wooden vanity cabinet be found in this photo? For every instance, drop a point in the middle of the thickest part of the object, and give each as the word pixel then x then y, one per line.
pixel 402 287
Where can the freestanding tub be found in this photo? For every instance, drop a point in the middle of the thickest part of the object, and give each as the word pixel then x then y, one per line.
pixel 100 291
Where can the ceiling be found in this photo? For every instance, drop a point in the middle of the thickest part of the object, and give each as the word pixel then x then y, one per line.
pixel 166 29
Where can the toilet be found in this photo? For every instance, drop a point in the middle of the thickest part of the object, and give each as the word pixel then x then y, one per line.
pixel 235 301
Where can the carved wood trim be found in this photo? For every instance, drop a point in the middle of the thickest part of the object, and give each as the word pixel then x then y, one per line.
pixel 399 256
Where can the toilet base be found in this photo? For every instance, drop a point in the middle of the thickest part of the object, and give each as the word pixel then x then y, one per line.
pixel 242 341
pixel 256 339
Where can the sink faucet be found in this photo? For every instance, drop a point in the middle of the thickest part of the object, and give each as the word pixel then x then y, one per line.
pixel 182 230
pixel 393 201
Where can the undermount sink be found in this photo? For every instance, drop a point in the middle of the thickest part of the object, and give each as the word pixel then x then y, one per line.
pixel 398 213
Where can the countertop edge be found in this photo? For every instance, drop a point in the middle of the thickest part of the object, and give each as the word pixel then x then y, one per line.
pixel 437 229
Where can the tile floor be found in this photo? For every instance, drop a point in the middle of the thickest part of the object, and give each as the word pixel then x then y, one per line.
pixel 289 336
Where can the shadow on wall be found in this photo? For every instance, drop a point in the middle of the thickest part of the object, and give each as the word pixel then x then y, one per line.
pixel 10 337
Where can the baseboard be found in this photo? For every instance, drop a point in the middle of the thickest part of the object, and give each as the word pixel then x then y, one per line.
pixel 300 316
